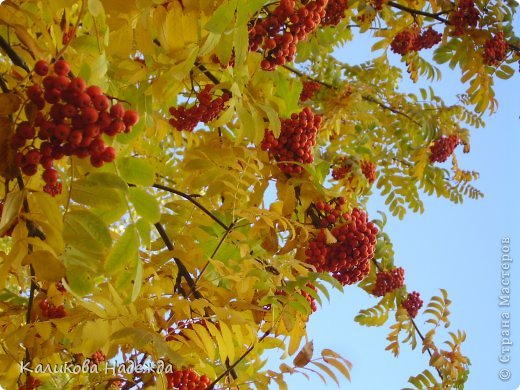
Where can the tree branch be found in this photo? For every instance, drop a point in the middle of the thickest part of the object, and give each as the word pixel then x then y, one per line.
pixel 211 386
pixel 418 12
pixel 192 200
pixel 364 97
pixel 15 58
pixel 182 268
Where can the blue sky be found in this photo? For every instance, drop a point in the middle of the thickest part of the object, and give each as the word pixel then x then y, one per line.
pixel 456 247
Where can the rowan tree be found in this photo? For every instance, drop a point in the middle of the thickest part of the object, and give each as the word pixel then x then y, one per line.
pixel 137 142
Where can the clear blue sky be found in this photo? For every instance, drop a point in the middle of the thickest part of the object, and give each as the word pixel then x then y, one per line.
pixel 456 247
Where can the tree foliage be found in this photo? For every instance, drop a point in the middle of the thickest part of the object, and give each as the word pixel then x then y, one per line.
pixel 173 252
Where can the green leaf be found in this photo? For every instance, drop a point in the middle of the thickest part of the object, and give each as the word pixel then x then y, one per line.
pixel 95 7
pixel 94 195
pixel 222 17
pixel 123 251
pixel 84 229
pixel 108 180
pixel 136 171
pixel 145 205
pixel 79 281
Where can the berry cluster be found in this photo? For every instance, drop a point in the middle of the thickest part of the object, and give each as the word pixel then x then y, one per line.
pixel 97 358
pixel 348 259
pixel 70 120
pixel 310 298
pixel 309 89
pixel 50 311
pixel 328 213
pixel 465 16
pixel 10 231
pixel 206 110
pixel 414 40
pixel 278 33
pixel 369 171
pixel 495 50
pixel 388 281
pixel 443 148
pixel 334 12
pixel 297 137
pixel 30 384
pixel 187 380
pixel 341 172
pixel 413 303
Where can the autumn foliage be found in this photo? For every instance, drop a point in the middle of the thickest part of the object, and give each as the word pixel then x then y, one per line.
pixel 183 182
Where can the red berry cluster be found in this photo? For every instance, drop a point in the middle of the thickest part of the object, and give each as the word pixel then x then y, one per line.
pixel 50 311
pixel 334 12
pixel 30 384
pixel 309 89
pixel 495 49
pixel 10 231
pixel 388 281
pixel 443 148
pixel 413 303
pixel 465 16
pixel 310 298
pixel 297 137
pixel 206 110
pixel 369 171
pixel 329 213
pixel 414 40
pixel 348 259
pixel 70 120
pixel 187 380
pixel 341 172
pixel 278 33
pixel 97 358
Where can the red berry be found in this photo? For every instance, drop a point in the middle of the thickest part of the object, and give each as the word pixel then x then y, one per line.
pixel 75 137
pixel 94 90
pixel 52 96
pixel 101 102
pixel 96 147
pixel 29 170
pixel 82 100
pixel 50 176
pixel 62 68
pixel 48 82
pixel 61 83
pixel 77 84
pixel 46 162
pixel 33 157
pixel 117 111
pixel 96 161
pixel 25 130
pixel 61 132
pixel 89 115
pixel 130 118
pixel 34 92
pixel 41 68
pixel 109 154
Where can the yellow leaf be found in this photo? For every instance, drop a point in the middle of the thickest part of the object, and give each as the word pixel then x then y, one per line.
pixel 7 166
pixel 46 266
pixel 9 103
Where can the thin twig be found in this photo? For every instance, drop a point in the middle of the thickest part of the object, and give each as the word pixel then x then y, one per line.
pixel 182 268
pixel 192 200
pixel 211 386
pixel 418 12
pixel 15 58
